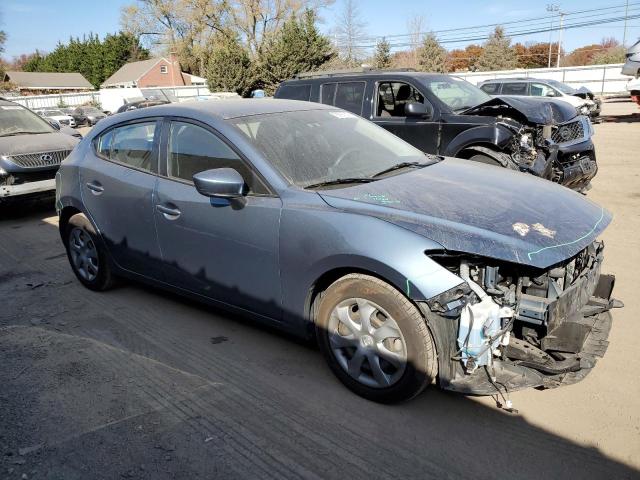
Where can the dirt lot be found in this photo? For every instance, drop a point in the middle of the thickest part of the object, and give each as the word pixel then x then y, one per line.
pixel 135 383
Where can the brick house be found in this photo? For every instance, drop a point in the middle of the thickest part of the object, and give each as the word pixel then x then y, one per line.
pixel 155 72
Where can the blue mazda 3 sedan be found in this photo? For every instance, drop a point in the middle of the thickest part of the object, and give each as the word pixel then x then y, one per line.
pixel 408 268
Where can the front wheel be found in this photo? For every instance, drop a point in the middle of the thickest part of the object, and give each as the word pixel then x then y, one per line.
pixel 374 340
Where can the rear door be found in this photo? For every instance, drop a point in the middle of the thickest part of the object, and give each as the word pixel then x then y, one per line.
pixel 389 100
pixel 117 187
pixel 226 250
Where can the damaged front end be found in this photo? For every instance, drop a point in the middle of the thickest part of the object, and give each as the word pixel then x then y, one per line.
pixel 509 327
pixel 548 140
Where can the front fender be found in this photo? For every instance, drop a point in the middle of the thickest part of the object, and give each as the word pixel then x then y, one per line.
pixel 495 134
pixel 314 241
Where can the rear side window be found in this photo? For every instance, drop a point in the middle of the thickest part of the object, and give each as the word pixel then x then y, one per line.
pixel 295 92
pixel 328 93
pixel 131 145
pixel 350 95
pixel 491 88
pixel 519 88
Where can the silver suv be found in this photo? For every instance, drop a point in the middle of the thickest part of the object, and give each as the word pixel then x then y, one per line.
pixel 31 150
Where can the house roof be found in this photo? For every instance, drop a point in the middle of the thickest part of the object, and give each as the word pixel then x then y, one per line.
pixel 131 72
pixel 48 80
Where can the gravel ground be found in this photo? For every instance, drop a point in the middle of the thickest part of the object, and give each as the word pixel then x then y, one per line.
pixel 136 383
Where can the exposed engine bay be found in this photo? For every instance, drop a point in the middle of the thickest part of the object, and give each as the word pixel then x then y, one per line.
pixel 518 327
pixel 548 144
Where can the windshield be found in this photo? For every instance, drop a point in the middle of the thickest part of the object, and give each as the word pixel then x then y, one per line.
pixel 563 87
pixel 17 119
pixel 456 93
pixel 316 146
pixel 53 113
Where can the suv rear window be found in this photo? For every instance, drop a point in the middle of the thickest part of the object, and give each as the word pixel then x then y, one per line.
pixel 491 88
pixel 295 92
pixel 519 88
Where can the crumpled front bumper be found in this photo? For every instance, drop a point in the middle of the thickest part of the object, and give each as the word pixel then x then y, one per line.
pixel 576 339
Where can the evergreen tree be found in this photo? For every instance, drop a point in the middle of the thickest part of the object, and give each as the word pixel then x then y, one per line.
pixel 96 60
pixel 229 67
pixel 382 57
pixel 432 57
pixel 298 47
pixel 497 53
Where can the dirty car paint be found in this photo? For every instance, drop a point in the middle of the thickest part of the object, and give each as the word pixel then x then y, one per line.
pixel 482 210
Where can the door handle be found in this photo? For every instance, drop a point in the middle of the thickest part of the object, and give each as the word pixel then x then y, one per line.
pixel 168 212
pixel 95 187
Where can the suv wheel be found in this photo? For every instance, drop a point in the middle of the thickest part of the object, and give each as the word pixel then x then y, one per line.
pixel 86 255
pixel 374 340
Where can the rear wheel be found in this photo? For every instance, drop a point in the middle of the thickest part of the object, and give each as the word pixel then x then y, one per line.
pixel 374 340
pixel 86 255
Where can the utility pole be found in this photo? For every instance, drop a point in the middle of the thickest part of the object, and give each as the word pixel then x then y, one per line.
pixel 551 8
pixel 626 14
pixel 560 38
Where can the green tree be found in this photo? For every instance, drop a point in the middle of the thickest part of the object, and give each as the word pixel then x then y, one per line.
pixel 382 57
pixel 298 47
pixel 497 53
pixel 229 67
pixel 432 57
pixel 96 60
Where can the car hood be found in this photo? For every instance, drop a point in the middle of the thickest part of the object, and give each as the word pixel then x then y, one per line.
pixel 45 142
pixel 482 210
pixel 536 110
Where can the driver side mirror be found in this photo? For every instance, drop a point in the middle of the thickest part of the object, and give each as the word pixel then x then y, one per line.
pixel 551 93
pixel 220 183
pixel 418 110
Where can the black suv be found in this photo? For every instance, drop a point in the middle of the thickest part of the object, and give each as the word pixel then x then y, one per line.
pixel 446 115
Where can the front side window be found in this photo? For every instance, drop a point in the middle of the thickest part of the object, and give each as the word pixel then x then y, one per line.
pixel 314 146
pixel 542 90
pixel 193 149
pixel 514 88
pixel 131 145
pixel 350 96
pixel 394 96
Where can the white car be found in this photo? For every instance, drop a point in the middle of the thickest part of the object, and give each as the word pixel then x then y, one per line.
pixel 59 116
pixel 537 87
pixel 632 63
pixel 633 87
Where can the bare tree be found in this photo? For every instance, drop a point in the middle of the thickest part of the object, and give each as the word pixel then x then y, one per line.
pixel 415 27
pixel 350 33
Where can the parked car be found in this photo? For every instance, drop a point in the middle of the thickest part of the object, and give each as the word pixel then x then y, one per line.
pixel 582 99
pixel 92 114
pixel 631 66
pixel 31 151
pixel 77 117
pixel 407 267
pixel 59 116
pixel 141 104
pixel 446 115
pixel 633 87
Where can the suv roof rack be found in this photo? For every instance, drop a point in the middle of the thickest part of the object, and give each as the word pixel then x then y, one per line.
pixel 351 71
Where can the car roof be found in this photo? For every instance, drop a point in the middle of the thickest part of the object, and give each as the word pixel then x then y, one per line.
pixel 519 79
pixel 226 109
pixel 374 74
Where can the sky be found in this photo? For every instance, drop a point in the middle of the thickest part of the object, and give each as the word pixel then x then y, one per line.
pixel 40 24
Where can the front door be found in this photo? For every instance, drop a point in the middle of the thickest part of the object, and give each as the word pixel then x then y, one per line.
pixel 226 250
pixel 117 189
pixel 390 99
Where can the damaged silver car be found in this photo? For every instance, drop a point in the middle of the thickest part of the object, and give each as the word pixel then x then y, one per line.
pixel 406 267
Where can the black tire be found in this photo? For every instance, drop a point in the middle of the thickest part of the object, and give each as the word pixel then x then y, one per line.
pixel 421 364
pixel 104 278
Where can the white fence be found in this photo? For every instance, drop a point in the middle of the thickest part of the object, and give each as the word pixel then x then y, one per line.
pixel 600 79
pixel 111 98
